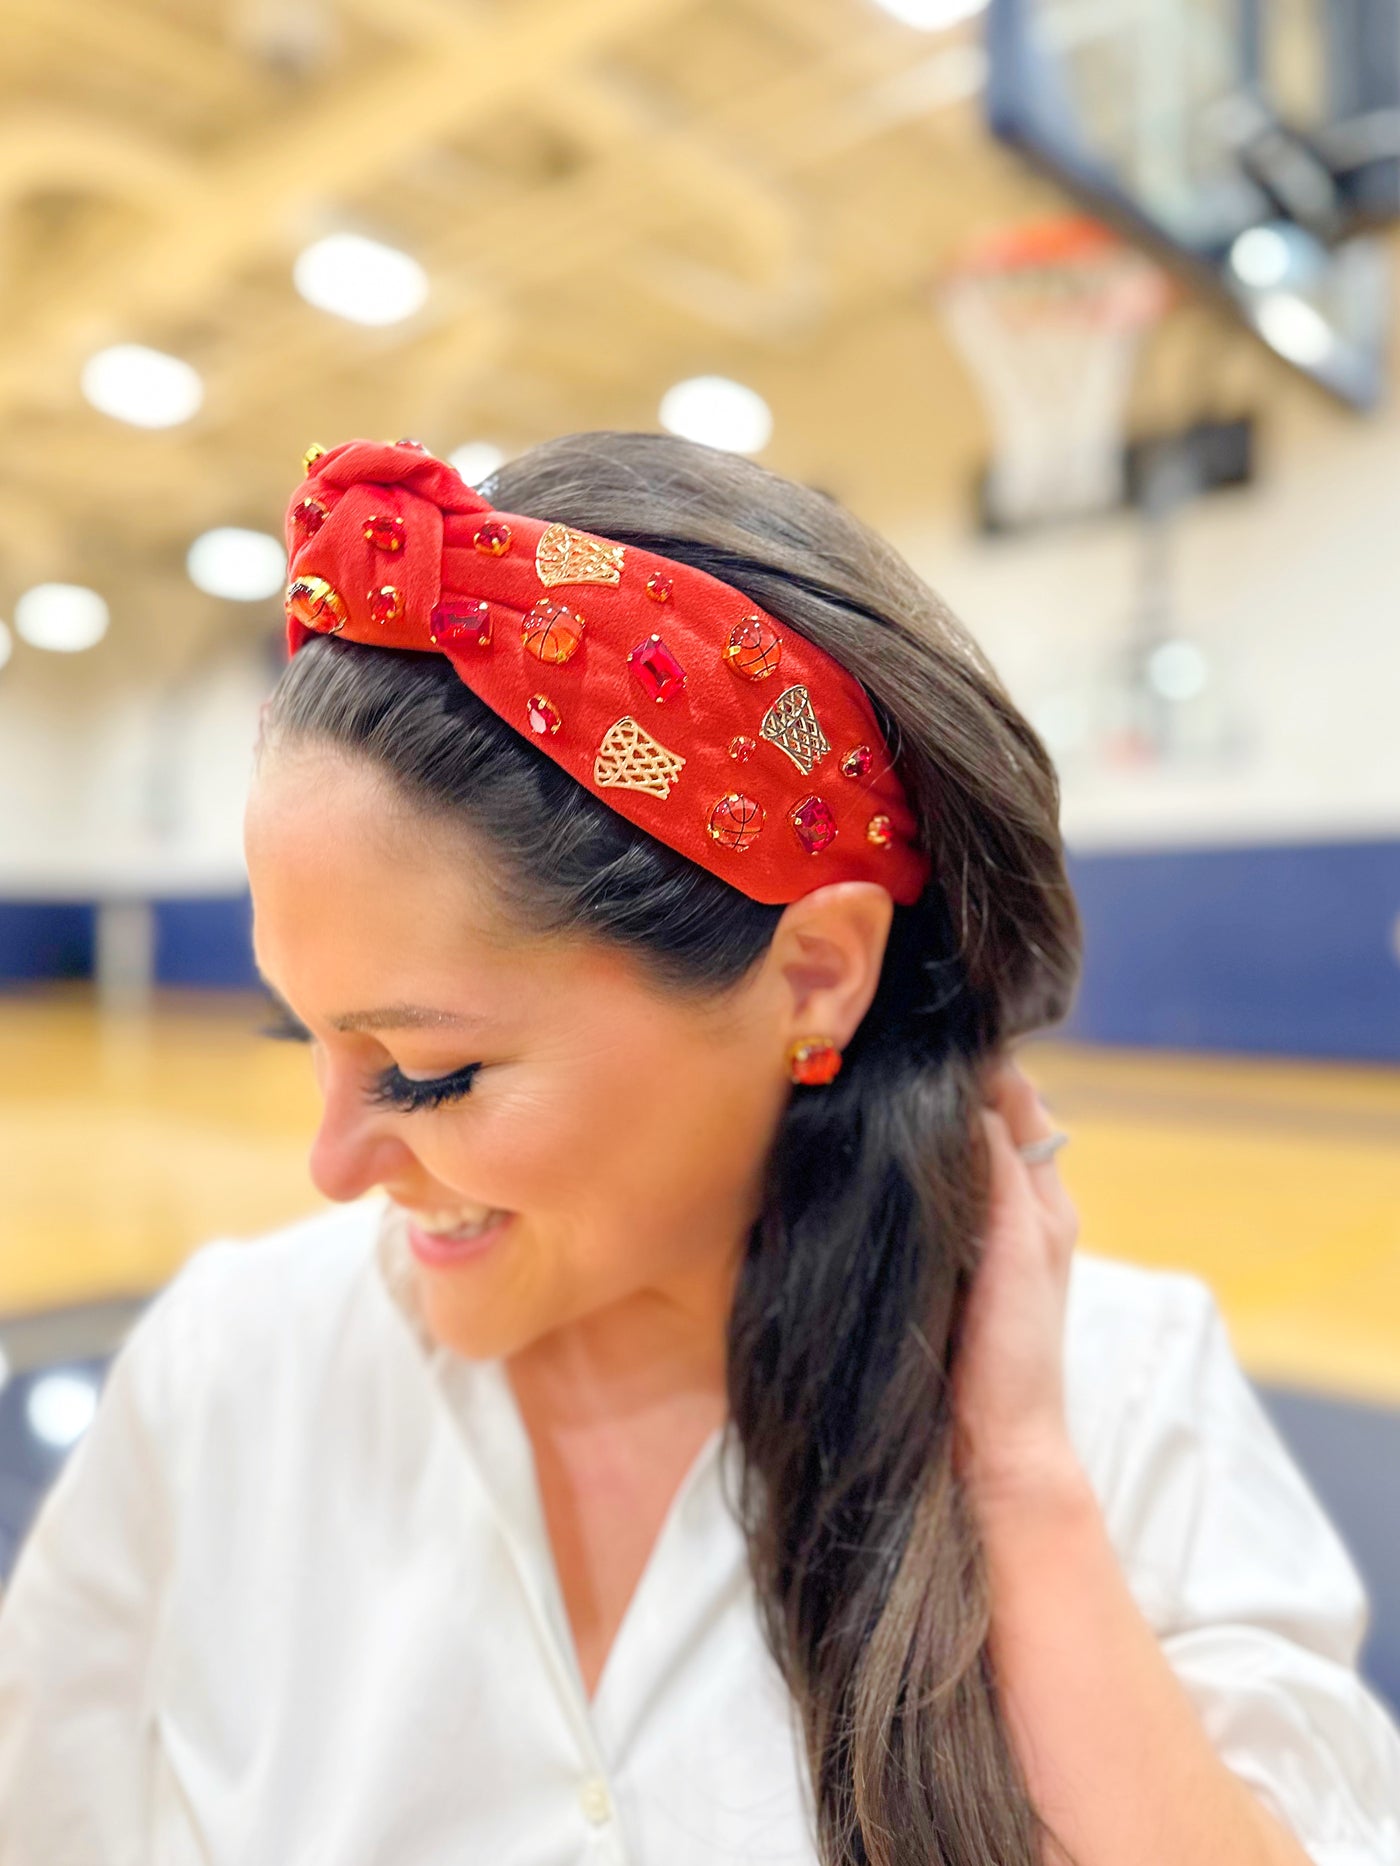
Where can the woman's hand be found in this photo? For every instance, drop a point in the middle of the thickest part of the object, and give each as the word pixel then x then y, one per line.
pixel 1008 1380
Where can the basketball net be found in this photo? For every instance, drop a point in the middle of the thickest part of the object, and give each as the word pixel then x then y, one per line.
pixel 1049 315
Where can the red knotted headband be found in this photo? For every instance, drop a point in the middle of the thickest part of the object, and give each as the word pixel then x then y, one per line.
pixel 724 734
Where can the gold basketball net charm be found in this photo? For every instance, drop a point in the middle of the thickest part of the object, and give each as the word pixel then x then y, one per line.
pixel 629 758
pixel 566 556
pixel 791 724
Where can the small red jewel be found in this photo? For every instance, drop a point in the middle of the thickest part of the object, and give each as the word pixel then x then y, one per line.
pixel 659 587
pixel 814 1063
pixel 658 670
pixel 493 538
pixel 454 624
pixel 814 823
pixel 857 762
pixel 551 631
pixel 754 649
pixel 735 821
pixel 880 831
pixel 316 604
pixel 385 605
pixel 385 534
pixel 310 514
pixel 742 747
pixel 543 714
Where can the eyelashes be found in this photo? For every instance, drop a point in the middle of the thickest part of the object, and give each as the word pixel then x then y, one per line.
pixel 391 1088
pixel 395 1090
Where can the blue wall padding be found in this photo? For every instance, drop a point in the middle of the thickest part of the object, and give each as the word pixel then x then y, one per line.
pixel 1289 950
pixel 206 942
pixel 45 939
pixel 1286 949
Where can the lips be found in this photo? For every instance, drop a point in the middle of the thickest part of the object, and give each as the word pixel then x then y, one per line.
pixel 444 1238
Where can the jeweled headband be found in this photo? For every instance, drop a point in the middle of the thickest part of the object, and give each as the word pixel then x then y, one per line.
pixel 669 695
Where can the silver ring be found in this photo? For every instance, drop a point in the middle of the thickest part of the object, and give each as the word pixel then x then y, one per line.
pixel 1037 1152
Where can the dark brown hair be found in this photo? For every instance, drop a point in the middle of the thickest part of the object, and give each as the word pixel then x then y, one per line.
pixel 845 1321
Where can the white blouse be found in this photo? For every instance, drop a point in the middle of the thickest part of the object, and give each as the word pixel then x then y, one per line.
pixel 291 1600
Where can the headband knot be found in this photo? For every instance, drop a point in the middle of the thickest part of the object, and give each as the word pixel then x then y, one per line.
pixel 668 694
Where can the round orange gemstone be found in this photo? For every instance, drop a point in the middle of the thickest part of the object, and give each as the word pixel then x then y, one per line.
pixel 659 587
pixel 385 605
pixel 492 538
pixel 316 604
pixel 880 831
pixel 754 648
pixel 735 821
pixel 385 534
pixel 814 1063
pixel 742 748
pixel 551 631
pixel 542 714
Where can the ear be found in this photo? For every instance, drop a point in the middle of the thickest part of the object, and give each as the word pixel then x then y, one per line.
pixel 827 950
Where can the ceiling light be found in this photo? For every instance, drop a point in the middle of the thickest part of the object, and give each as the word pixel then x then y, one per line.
pixel 718 412
pixel 933 15
pixel 1177 670
pixel 244 566
pixel 360 279
pixel 145 387
pixel 1292 327
pixel 63 617
pixel 1261 257
pixel 7 648
pixel 477 461
pixel 60 1408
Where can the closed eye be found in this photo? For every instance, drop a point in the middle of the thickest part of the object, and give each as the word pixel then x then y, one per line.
pixel 392 1088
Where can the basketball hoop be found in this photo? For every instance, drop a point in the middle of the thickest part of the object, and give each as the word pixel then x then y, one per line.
pixel 1049 316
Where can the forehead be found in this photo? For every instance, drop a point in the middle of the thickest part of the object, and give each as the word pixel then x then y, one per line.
pixel 360 896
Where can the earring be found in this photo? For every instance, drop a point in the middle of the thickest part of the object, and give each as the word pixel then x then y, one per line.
pixel 813 1061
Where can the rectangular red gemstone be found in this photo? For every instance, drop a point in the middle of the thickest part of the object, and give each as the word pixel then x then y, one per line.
pixel 660 673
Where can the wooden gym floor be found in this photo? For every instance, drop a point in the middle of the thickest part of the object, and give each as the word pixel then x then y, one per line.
pixel 127 1141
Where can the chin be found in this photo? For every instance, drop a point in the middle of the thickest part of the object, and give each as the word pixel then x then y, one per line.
pixel 478 1331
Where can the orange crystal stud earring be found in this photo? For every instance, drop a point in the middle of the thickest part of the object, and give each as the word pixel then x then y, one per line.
pixel 814 1061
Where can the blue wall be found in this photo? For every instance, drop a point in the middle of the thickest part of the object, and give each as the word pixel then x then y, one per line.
pixel 1287 949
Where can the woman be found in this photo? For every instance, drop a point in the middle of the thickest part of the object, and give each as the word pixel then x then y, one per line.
pixel 702 1446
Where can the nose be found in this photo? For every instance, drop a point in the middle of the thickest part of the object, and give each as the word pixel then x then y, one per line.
pixel 355 1148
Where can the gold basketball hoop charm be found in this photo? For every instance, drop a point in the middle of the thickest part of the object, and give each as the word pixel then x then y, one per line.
pixel 629 758
pixel 791 724
pixel 567 556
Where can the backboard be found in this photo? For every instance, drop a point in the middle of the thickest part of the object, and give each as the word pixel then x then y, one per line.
pixel 1253 144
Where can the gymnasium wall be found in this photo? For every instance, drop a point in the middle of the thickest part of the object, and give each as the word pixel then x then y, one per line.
pixel 1247 898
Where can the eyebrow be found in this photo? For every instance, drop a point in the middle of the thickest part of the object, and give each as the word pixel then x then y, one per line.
pixel 385 1017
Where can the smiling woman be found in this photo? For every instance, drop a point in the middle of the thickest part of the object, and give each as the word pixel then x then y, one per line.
pixel 711 1366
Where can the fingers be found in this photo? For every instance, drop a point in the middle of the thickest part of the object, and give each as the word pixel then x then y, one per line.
pixel 1017 1115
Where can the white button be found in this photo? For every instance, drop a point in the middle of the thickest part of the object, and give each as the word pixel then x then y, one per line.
pixel 595 1800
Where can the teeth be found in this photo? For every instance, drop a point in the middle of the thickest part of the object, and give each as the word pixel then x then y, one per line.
pixel 455 1224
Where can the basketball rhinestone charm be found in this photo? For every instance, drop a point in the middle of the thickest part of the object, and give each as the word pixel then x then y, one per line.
pixel 385 534
pixel 659 672
pixel 753 649
pixel 629 758
pixel 813 1061
pixel 454 624
pixel 814 823
pixel 542 714
pixel 791 724
pixel 735 821
pixel 551 632
pixel 567 556
pixel 879 832
pixel 493 538
pixel 316 605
